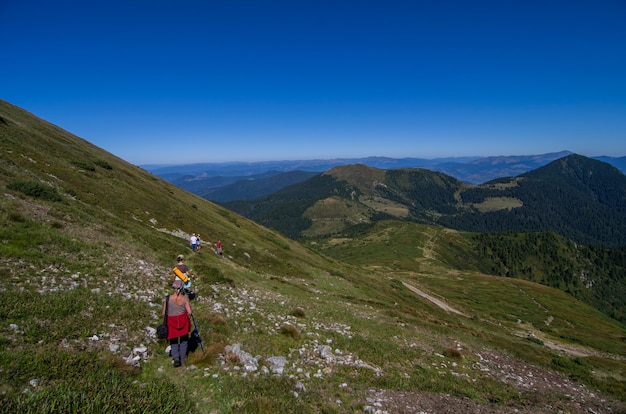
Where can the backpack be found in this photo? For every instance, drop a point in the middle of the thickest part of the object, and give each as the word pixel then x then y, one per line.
pixel 180 274
pixel 161 330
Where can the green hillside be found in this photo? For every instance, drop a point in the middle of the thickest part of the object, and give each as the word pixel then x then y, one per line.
pixel 87 243
pixel 593 274
pixel 581 199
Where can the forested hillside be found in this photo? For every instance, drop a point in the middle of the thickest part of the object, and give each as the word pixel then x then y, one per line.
pixel 577 197
pixel 594 274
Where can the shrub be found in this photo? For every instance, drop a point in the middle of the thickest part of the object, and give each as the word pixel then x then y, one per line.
pixel 56 225
pixel 298 312
pixel 103 164
pixel 36 190
pixel 84 165
pixel 290 331
pixel 452 353
pixel 17 217
pixel 534 340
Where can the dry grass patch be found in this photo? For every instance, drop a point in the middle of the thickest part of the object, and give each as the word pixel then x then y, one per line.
pixel 290 330
pixel 298 312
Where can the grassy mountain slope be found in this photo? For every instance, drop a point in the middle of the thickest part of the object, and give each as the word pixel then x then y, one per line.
pixel 592 274
pixel 86 246
pixel 350 196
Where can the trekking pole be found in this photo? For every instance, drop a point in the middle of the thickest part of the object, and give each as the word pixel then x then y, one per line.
pixel 196 334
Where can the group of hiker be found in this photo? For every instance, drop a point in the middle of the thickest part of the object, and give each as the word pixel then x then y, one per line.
pixel 178 313
pixel 177 307
pixel 195 242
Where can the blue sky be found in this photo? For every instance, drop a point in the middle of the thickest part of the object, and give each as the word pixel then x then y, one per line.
pixel 212 81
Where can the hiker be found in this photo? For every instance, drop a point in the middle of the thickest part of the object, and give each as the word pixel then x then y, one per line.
pixel 198 242
pixel 178 323
pixel 193 242
pixel 186 273
pixel 218 245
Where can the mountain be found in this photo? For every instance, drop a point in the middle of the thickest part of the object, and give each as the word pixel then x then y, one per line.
pixel 617 162
pixel 489 168
pixel 224 182
pixel 254 188
pixel 205 179
pixel 577 197
pixel 244 169
pixel 87 243
pixel 227 188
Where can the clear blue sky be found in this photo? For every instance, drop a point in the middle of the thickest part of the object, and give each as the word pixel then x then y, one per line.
pixel 210 81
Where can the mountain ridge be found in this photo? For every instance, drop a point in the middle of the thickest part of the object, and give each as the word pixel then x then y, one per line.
pixel 527 202
pixel 219 180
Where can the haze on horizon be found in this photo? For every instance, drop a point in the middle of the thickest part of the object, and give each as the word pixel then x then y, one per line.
pixel 204 81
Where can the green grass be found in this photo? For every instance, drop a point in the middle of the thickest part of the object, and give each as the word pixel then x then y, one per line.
pixel 85 382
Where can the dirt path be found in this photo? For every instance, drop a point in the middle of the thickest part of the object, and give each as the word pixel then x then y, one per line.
pixel 428 248
pixel 434 300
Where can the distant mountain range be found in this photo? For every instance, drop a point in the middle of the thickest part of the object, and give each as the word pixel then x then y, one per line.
pixel 578 197
pixel 224 182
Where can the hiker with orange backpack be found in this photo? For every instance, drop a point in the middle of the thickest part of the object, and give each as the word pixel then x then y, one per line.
pixel 182 273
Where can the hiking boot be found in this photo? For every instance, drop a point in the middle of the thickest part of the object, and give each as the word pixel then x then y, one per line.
pixel 177 362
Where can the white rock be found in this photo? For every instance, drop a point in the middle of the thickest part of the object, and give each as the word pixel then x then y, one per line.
pixel 140 349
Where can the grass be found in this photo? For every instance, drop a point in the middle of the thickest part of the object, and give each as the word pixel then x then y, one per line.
pixel 498 203
pixel 83 382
